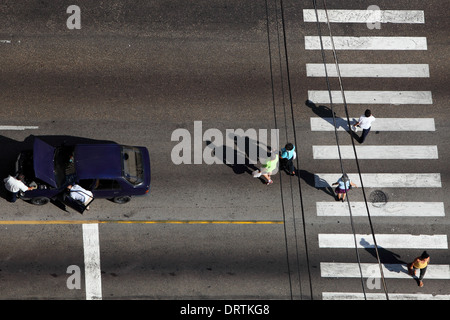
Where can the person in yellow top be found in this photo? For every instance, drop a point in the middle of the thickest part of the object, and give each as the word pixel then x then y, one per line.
pixel 268 169
pixel 419 263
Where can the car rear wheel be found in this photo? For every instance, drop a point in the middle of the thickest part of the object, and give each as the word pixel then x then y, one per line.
pixel 40 201
pixel 122 200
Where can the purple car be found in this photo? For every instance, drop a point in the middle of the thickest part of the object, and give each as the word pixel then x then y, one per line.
pixel 108 170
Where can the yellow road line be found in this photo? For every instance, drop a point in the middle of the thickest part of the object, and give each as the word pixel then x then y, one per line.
pixel 48 222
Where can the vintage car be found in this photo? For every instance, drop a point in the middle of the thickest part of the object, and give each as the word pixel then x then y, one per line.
pixel 108 170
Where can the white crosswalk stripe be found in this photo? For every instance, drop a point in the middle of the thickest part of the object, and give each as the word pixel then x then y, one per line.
pixel 371 97
pixel 365 16
pixel 387 241
pixel 366 43
pixel 393 271
pixel 375 152
pixel 389 209
pixel 381 124
pixel 349 70
pixel 383 180
pixel 382 296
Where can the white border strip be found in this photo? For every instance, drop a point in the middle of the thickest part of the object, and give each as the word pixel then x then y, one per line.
pixel 93 278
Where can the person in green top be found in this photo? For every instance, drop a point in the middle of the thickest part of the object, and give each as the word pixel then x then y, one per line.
pixel 268 168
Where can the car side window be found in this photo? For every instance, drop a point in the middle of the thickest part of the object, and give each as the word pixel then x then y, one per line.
pixel 107 184
pixel 86 183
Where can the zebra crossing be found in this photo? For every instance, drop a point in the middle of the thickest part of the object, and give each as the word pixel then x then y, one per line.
pixel 391 209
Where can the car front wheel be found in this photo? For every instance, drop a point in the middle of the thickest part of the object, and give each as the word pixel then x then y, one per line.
pixel 40 201
pixel 122 200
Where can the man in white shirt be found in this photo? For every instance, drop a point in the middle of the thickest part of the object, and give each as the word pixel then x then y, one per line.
pixel 365 123
pixel 14 185
pixel 81 194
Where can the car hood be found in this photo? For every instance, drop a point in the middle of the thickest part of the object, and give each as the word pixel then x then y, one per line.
pixel 43 155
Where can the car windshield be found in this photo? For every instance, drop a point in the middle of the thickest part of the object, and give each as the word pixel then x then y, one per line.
pixel 133 170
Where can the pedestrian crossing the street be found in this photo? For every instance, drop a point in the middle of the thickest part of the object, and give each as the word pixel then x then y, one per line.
pixel 402 44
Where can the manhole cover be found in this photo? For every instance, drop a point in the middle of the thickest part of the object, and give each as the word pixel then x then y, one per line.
pixel 378 198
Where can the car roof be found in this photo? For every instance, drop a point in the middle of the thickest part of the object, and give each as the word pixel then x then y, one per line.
pixel 98 161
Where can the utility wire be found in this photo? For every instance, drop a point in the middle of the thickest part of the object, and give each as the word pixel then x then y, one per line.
pixel 295 141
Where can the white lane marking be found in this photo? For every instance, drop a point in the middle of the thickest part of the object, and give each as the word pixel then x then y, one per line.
pixel 391 241
pixel 365 16
pixel 382 296
pixel 390 209
pixel 366 43
pixel 18 127
pixel 371 97
pixel 383 180
pixel 381 124
pixel 397 271
pixel 376 152
pixel 5 41
pixel 92 262
pixel 349 70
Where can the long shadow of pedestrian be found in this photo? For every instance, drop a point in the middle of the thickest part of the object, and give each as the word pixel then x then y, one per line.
pixel 241 161
pixel 327 114
pixel 389 259
pixel 311 178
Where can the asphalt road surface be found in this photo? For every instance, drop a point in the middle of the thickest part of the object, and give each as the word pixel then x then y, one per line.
pixel 138 70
